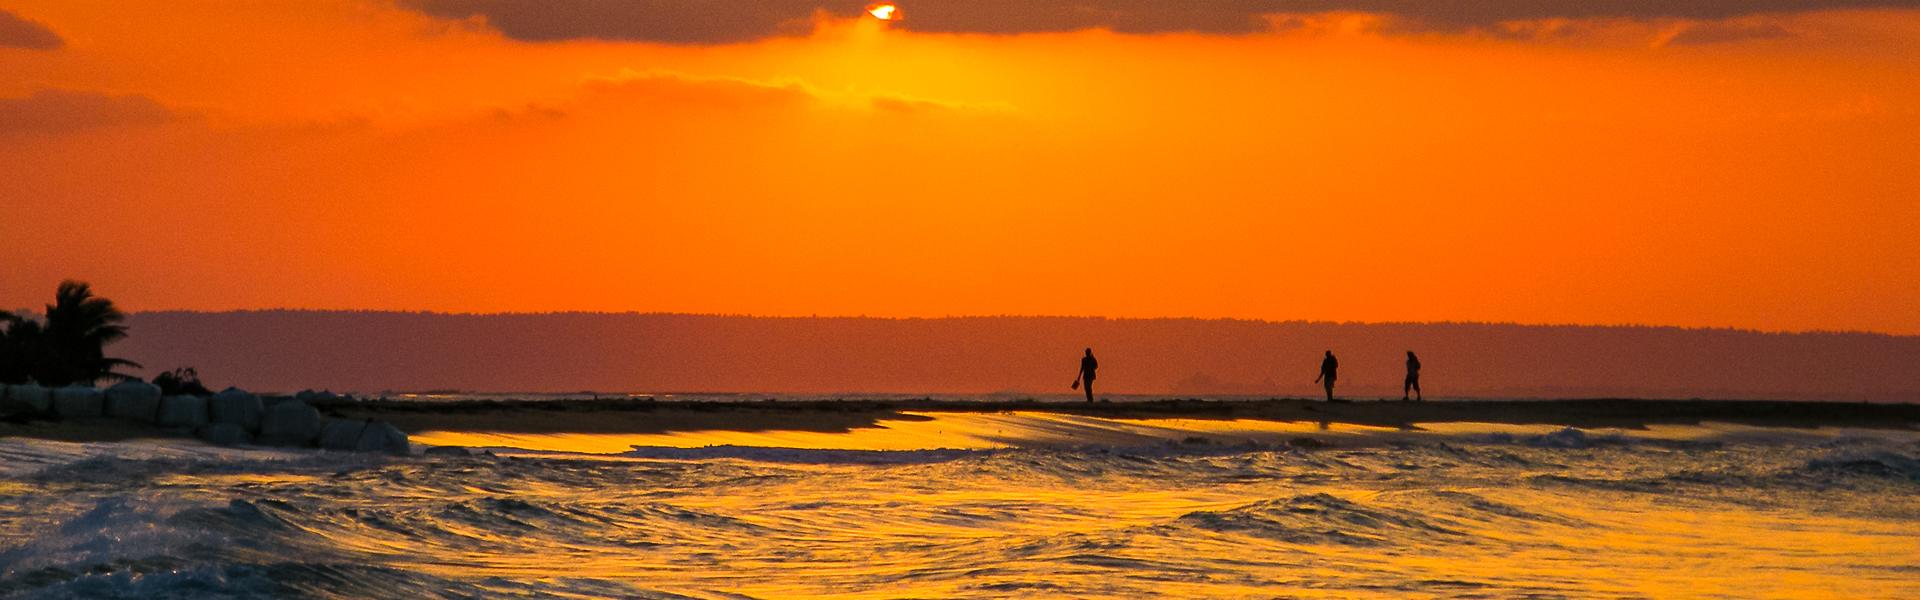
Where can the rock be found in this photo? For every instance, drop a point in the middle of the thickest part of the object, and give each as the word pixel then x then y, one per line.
pixel 341 434
pixel 135 400
pixel 313 397
pixel 183 411
pixel 31 397
pixel 290 423
pixel 76 401
pixel 381 436
pixel 364 436
pixel 449 451
pixel 237 407
pixel 224 434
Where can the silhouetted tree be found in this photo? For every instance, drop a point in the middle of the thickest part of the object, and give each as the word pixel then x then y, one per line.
pixel 71 347
pixel 184 381
pixel 20 340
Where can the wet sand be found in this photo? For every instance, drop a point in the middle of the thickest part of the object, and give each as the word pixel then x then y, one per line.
pixel 650 416
pixel 94 429
pixel 663 416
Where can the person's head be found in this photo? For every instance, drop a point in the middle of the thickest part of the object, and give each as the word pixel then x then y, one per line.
pixel 1089 352
pixel 1329 353
pixel 1409 354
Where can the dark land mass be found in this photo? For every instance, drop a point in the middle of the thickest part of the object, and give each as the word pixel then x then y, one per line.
pixel 367 352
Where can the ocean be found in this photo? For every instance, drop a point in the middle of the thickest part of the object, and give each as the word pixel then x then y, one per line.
pixel 952 506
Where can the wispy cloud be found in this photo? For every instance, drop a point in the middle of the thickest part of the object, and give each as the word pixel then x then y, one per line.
pixel 59 111
pixel 705 22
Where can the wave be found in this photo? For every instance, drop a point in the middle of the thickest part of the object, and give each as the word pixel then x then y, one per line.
pixel 1322 519
pixel 144 520
pixel 1886 465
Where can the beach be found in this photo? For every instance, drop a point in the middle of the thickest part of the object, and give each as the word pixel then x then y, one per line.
pixel 718 415
pixel 751 413
pixel 649 415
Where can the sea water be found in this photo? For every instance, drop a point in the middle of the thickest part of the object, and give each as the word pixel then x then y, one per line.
pixel 1160 509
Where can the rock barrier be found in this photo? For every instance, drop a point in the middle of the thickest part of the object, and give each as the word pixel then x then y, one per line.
pixel 230 418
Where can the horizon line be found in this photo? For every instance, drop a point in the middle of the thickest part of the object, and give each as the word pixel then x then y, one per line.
pixel 1540 325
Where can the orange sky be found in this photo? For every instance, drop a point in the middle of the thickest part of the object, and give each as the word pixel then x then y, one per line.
pixel 1724 168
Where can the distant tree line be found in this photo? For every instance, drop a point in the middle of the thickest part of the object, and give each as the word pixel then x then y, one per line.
pixel 68 344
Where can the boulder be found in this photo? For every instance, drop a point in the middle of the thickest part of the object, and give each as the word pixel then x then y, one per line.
pixel 290 423
pixel 237 407
pixel 30 397
pixel 77 401
pixel 224 434
pixel 183 411
pixel 381 436
pixel 313 397
pixel 341 434
pixel 136 400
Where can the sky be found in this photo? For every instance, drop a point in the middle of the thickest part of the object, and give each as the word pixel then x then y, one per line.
pixel 1718 163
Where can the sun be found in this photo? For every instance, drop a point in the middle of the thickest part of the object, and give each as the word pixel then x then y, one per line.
pixel 885 11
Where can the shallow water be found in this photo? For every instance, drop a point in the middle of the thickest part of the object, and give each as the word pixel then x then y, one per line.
pixel 1458 511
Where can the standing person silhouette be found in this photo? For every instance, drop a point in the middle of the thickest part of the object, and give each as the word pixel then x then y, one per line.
pixel 1087 367
pixel 1329 371
pixel 1413 377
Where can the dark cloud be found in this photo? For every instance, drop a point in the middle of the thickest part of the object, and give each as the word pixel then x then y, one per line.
pixel 667 21
pixel 58 111
pixel 19 32
pixel 1478 14
pixel 724 21
pixel 1720 32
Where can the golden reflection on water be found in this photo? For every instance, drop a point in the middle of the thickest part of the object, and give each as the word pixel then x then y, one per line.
pixel 1414 516
pixel 232 479
pixel 1608 544
pixel 958 431
pixel 983 431
pixel 1146 513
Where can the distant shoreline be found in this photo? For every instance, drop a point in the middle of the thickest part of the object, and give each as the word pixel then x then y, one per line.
pixel 658 353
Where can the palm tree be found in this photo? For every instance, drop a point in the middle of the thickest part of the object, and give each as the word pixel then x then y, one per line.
pixel 79 327
pixel 20 338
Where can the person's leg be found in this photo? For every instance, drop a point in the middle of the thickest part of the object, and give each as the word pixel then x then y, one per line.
pixel 1089 390
pixel 1329 390
pixel 1416 389
pixel 1404 388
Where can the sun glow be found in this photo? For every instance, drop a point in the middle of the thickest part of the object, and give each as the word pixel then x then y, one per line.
pixel 885 11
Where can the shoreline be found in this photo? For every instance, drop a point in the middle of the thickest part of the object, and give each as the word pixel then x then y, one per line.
pixel 645 415
pixel 654 416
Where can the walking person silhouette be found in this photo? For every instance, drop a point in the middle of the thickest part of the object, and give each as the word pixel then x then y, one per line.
pixel 1413 377
pixel 1087 367
pixel 1329 371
